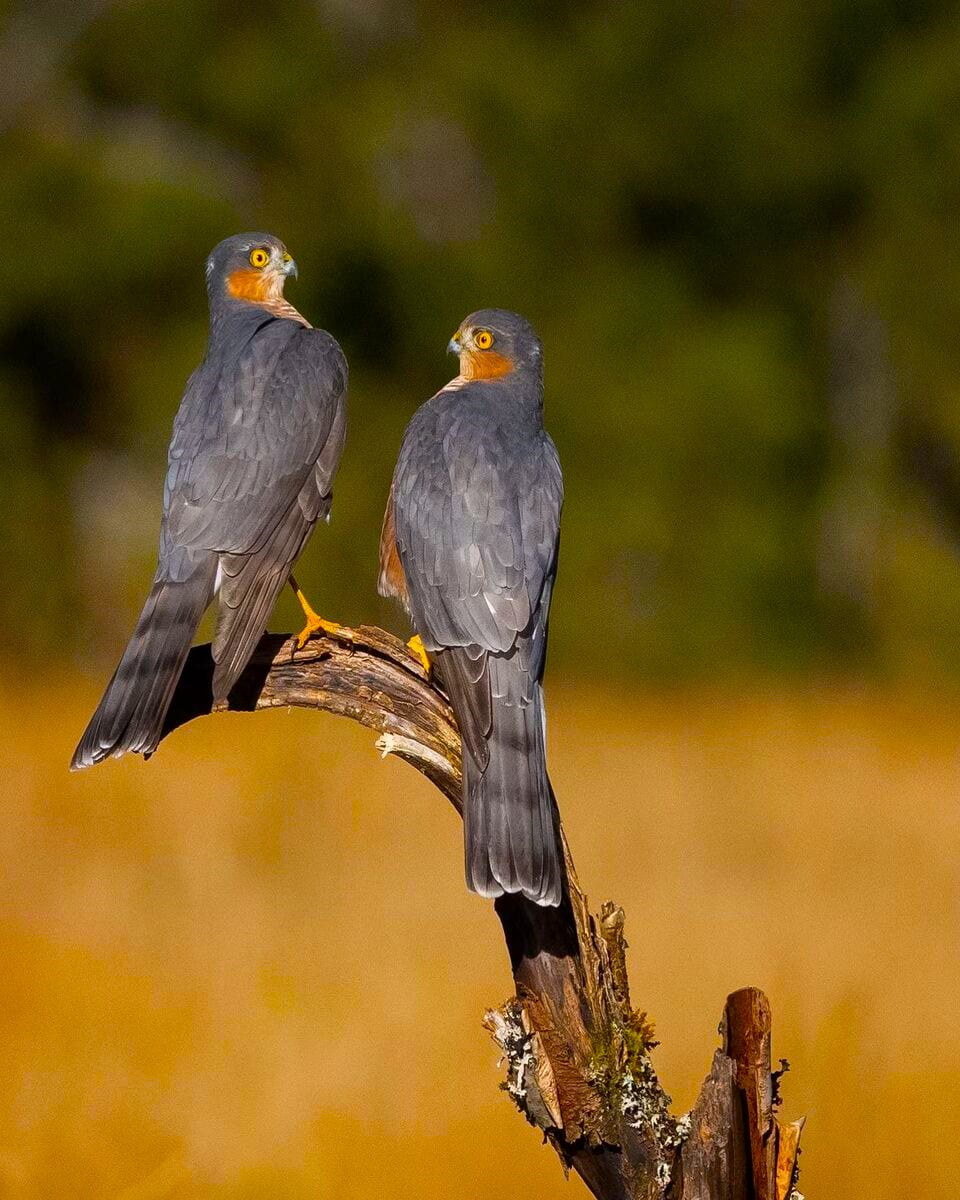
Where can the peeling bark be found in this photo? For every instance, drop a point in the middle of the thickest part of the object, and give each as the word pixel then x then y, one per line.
pixel 576 1053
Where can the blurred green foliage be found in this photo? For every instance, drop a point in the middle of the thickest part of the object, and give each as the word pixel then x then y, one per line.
pixel 735 225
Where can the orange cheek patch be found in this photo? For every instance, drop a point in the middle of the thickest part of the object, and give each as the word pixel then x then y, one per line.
pixel 485 364
pixel 249 285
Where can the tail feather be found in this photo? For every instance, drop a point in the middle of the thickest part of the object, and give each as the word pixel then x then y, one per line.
pixel 131 713
pixel 511 839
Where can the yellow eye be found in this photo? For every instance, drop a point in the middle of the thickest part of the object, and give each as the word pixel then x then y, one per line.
pixel 483 339
pixel 259 257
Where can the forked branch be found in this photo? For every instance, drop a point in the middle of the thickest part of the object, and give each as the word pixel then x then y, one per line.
pixel 576 1051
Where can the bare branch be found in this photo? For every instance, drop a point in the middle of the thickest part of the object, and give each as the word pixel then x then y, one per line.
pixel 576 1052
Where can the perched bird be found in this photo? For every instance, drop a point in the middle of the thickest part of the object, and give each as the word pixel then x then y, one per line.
pixel 469 546
pixel 256 444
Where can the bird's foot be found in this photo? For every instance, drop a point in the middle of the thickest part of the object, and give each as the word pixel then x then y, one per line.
pixel 316 624
pixel 419 652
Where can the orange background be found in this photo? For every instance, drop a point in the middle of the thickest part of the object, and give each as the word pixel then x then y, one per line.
pixel 249 968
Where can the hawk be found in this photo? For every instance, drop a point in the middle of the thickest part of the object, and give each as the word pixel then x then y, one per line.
pixel 256 444
pixel 469 546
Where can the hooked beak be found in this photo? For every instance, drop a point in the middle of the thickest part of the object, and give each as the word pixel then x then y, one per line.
pixel 290 267
pixel 454 346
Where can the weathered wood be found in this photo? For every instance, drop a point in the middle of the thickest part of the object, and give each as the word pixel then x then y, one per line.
pixel 746 1032
pixel 576 1052
pixel 711 1157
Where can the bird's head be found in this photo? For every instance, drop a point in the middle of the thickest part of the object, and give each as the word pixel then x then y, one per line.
pixel 251 267
pixel 493 342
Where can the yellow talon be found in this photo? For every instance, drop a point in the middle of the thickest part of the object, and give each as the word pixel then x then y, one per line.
pixel 419 651
pixel 316 623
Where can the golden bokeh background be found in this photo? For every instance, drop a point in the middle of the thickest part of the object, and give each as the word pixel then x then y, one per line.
pixel 249 968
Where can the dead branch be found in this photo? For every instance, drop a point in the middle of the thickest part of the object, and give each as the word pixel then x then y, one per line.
pixel 576 1051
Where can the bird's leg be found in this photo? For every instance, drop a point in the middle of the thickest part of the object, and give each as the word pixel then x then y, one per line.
pixel 316 623
pixel 418 649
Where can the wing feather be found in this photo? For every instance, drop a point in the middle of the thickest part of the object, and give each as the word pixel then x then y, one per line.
pixel 246 440
pixel 476 514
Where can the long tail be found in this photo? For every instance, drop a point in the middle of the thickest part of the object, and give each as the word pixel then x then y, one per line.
pixel 130 716
pixel 511 840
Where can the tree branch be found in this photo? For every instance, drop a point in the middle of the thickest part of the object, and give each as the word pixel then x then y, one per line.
pixel 576 1052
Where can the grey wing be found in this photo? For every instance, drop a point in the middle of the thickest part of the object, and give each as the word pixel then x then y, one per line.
pixel 330 455
pixel 250 475
pixel 479 546
pixel 246 441
pixel 477 539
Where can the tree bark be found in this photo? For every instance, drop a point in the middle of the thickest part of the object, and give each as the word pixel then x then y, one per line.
pixel 576 1052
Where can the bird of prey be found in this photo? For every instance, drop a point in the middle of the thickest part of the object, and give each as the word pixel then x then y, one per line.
pixel 469 546
pixel 255 447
